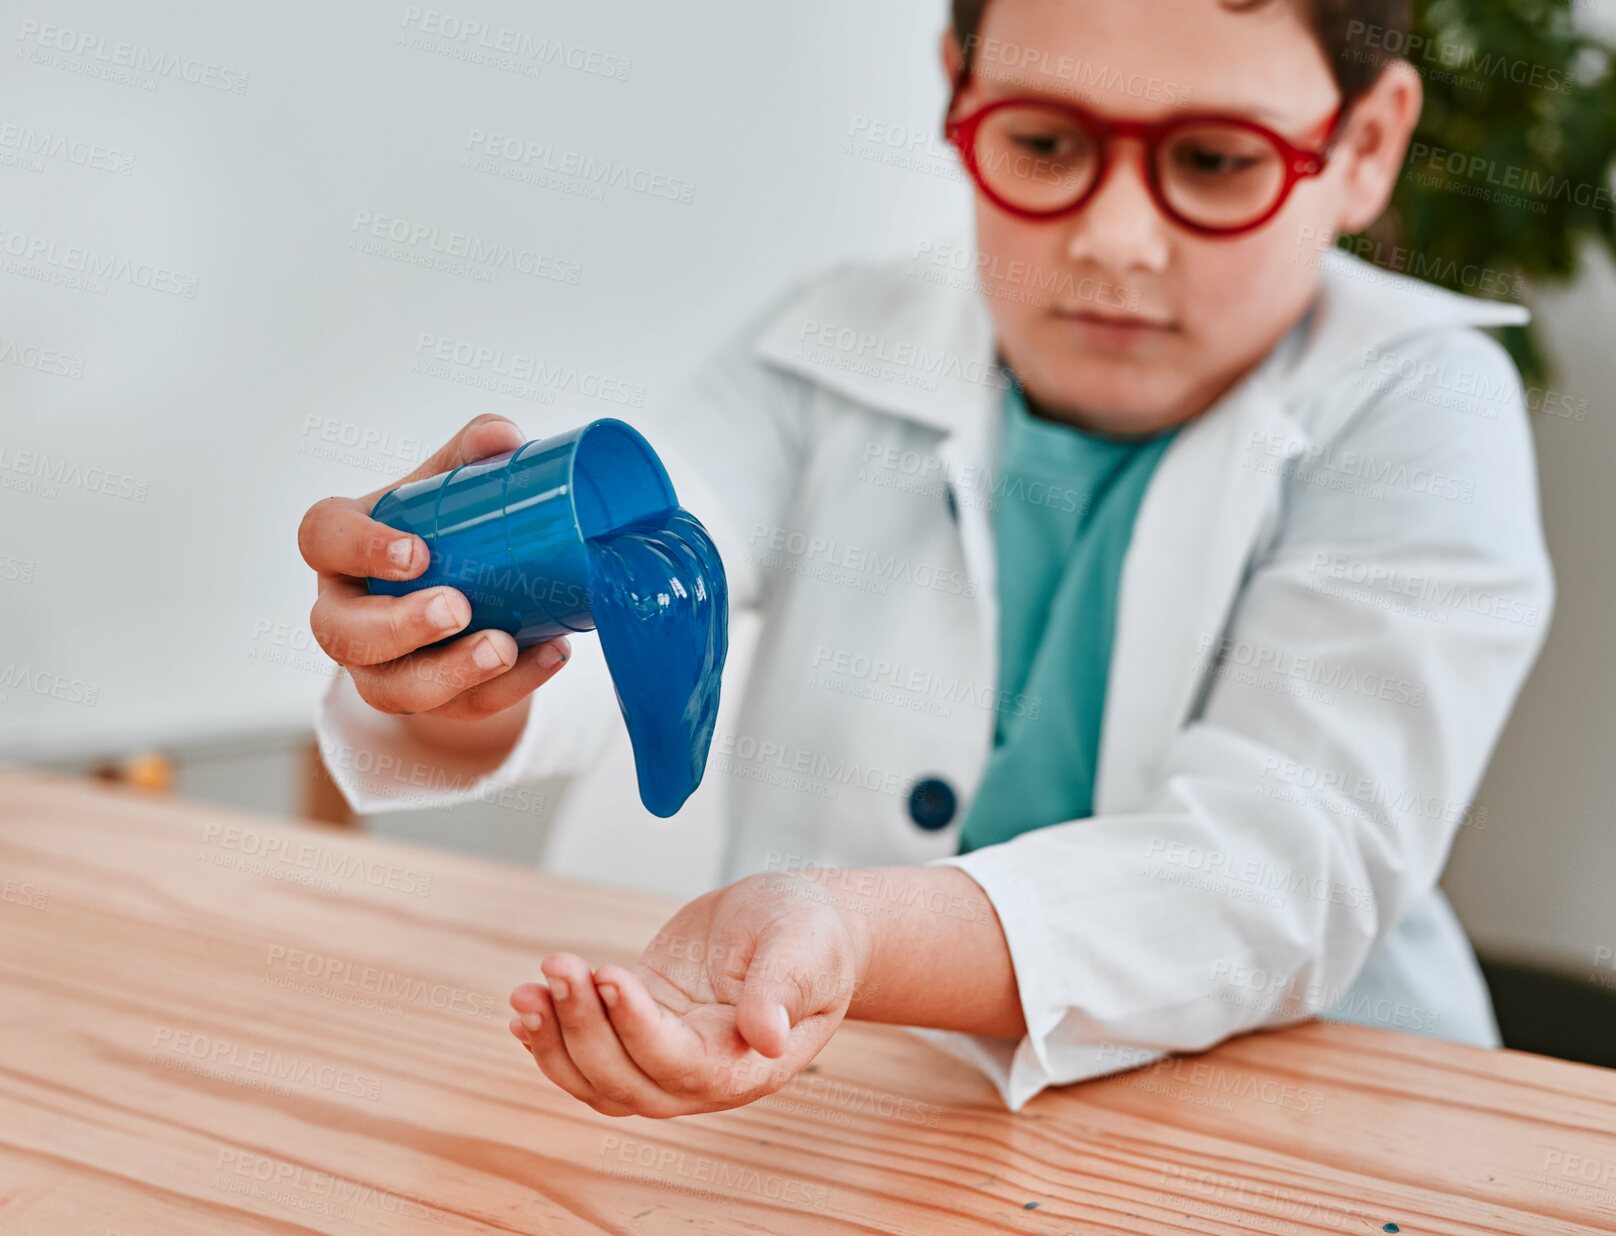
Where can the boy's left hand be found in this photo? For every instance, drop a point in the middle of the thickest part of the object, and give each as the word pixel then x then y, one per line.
pixel 735 995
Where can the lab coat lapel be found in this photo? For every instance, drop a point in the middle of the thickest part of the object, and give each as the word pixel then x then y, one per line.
pixel 970 456
pixel 1191 540
pixel 850 334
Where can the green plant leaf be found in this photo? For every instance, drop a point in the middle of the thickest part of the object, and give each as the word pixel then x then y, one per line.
pixel 1509 176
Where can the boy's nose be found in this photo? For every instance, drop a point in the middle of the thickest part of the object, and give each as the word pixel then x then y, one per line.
pixel 1121 228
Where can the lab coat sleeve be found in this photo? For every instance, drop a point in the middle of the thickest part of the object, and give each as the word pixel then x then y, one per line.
pixel 1351 707
pixel 732 438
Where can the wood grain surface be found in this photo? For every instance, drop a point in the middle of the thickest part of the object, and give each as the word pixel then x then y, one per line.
pixel 211 1022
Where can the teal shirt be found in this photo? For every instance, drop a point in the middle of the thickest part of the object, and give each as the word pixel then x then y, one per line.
pixel 1066 502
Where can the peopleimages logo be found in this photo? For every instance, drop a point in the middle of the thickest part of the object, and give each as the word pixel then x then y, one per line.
pixel 37 145
pixel 1483 172
pixel 798 553
pixel 28 896
pixel 1218 865
pixel 96 50
pixel 26 680
pixel 374 230
pixel 1322 787
pixel 819 769
pixel 29 471
pixel 287 849
pixel 379 982
pixel 850 346
pixel 1229 651
pixel 269 1069
pixel 1366 40
pixel 513 153
pixel 307 1189
pixel 41 360
pixel 1376 470
pixel 927 689
pixel 699 1173
pixel 1444 594
pixel 476 41
pixel 509 371
pixel 1281 991
pixel 94 270
pixel 1027 63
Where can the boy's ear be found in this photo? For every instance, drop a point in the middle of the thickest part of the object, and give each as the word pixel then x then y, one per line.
pixel 1376 143
pixel 953 55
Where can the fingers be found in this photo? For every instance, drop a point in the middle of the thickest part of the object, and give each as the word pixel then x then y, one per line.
pixel 384 641
pixel 379 639
pixel 356 628
pixel 534 667
pixel 604 1040
pixel 779 988
pixel 481 437
pixel 338 537
pixel 764 1023
pixel 591 1041
pixel 536 1026
pixel 665 1049
pixel 427 680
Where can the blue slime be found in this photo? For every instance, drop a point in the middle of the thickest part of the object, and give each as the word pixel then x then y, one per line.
pixel 661 606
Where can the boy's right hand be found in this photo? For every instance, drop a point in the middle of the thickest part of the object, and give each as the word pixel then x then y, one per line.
pixel 378 638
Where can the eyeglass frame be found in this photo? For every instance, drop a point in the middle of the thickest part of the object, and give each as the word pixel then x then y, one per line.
pixel 1299 162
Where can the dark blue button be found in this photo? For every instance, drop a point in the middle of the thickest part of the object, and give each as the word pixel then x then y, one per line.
pixel 932 803
pixel 953 505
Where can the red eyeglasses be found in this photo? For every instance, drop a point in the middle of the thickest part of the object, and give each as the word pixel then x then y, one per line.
pixel 1215 174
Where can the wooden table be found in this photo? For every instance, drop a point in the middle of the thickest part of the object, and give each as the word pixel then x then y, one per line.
pixel 214 1023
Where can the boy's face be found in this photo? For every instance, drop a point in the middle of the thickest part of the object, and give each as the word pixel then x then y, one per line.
pixel 1185 314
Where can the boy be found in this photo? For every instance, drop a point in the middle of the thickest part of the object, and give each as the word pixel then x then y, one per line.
pixel 1190 601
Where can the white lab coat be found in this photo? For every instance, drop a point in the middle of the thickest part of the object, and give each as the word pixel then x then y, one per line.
pixel 1336 584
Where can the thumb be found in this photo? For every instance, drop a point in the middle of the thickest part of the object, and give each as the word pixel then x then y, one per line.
pixel 778 984
pixel 483 436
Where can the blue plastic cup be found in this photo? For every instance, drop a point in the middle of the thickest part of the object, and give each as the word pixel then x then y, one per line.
pixel 512 532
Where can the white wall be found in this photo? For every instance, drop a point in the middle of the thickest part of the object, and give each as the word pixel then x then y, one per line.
pixel 1538 881
pixel 184 613
pixel 159 614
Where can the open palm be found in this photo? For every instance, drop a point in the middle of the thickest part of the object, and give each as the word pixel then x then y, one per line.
pixel 732 998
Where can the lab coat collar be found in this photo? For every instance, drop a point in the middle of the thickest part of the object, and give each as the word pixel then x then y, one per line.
pixel 887 338
pixel 1362 309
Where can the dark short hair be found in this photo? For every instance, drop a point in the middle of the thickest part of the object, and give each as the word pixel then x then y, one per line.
pixel 1355 35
